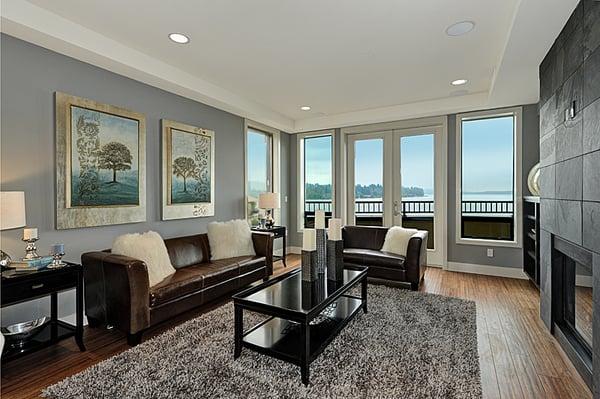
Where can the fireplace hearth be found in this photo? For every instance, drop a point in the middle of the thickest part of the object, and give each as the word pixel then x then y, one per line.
pixel 572 303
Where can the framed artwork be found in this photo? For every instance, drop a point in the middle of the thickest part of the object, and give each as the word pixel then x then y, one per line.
pixel 188 171
pixel 100 158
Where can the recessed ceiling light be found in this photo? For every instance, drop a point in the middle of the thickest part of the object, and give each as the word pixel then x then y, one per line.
pixel 305 108
pixel 459 82
pixel 460 28
pixel 179 38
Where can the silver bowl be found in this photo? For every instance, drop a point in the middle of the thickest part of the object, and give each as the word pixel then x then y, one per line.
pixel 25 330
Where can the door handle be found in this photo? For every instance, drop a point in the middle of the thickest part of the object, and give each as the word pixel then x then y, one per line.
pixel 35 287
pixel 396 213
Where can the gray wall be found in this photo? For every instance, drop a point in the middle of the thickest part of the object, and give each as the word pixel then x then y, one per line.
pixel 510 257
pixel 30 76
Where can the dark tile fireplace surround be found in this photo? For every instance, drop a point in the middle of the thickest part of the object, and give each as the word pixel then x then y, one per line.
pixel 570 190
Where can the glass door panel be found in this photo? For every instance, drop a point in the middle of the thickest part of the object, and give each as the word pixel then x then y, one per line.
pixel 366 180
pixel 417 163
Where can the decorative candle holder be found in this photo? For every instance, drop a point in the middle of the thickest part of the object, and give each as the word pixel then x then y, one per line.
pixel 335 260
pixel 321 250
pixel 309 266
pixel 31 249
pixel 57 261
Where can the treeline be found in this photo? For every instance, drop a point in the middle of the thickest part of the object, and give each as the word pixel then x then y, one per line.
pixel 323 191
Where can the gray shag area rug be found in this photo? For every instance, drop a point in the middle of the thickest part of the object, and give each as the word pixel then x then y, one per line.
pixel 409 345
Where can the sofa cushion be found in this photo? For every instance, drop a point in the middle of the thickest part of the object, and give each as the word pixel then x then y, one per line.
pixel 190 279
pixel 148 247
pixel 249 263
pixel 183 282
pixel 230 239
pixel 370 257
pixel 187 251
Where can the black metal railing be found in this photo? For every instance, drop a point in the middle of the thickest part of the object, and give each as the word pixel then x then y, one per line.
pixel 480 219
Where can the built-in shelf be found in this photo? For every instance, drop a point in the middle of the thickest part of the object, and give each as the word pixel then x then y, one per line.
pixel 531 247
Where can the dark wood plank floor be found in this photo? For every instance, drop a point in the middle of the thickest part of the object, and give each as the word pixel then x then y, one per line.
pixel 519 358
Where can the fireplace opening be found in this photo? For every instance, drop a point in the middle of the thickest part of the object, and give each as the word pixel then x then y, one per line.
pixel 573 303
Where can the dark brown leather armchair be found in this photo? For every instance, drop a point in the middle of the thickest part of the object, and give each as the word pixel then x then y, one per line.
pixel 362 246
pixel 118 293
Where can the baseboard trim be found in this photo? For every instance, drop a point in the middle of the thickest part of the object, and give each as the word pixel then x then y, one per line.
pixel 497 271
pixel 294 250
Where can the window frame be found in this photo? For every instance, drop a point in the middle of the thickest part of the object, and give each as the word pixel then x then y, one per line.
pixel 300 168
pixel 517 114
pixel 274 166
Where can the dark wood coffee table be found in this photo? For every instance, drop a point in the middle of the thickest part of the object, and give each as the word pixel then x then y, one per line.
pixel 304 316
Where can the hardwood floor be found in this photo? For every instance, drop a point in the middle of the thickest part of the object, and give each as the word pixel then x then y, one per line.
pixel 518 356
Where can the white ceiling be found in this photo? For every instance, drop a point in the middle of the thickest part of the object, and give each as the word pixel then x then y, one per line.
pixel 352 61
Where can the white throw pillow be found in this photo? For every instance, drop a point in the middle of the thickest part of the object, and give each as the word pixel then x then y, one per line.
pixel 150 248
pixel 396 240
pixel 230 239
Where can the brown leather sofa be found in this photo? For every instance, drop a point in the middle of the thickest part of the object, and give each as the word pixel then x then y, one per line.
pixel 117 290
pixel 362 246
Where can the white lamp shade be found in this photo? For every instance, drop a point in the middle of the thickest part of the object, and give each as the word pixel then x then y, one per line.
pixel 268 201
pixel 12 210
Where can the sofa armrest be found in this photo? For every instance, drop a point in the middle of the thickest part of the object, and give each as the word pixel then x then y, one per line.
pixel 126 289
pixel 263 246
pixel 416 256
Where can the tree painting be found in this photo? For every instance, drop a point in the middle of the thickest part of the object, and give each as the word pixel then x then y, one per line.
pixel 190 169
pixel 114 156
pixel 104 159
pixel 185 168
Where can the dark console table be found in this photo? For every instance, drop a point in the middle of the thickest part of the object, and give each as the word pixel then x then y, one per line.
pixel 278 232
pixel 24 286
pixel 304 317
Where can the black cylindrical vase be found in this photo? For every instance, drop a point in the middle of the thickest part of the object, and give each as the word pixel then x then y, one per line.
pixel 321 250
pixel 309 265
pixel 335 260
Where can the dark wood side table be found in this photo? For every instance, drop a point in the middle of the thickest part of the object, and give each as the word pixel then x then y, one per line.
pixel 278 232
pixel 22 287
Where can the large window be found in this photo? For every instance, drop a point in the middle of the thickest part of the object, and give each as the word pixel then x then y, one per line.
pixel 489 164
pixel 316 163
pixel 259 170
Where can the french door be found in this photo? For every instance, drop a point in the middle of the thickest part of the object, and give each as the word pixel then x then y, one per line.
pixel 397 177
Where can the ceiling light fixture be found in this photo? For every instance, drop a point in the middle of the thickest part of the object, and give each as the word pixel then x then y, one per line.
pixel 305 108
pixel 460 28
pixel 459 82
pixel 179 38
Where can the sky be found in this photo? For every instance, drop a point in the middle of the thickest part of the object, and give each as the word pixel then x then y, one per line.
pixel 317 160
pixel 487 155
pixel 258 145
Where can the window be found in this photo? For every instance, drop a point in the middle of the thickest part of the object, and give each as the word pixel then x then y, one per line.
pixel 259 170
pixel 316 184
pixel 488 176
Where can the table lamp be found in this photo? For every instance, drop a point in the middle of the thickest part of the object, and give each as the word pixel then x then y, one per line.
pixel 12 216
pixel 269 201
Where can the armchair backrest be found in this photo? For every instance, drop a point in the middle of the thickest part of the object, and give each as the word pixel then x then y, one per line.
pixel 367 237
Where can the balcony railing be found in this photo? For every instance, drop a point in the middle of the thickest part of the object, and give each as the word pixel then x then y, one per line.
pixel 480 219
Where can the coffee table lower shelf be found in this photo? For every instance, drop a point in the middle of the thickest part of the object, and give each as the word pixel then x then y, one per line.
pixel 281 338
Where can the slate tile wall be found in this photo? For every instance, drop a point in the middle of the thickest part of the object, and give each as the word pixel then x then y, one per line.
pixel 570 150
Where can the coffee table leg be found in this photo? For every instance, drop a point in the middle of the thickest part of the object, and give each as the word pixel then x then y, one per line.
pixel 305 356
pixel 364 294
pixel 239 331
